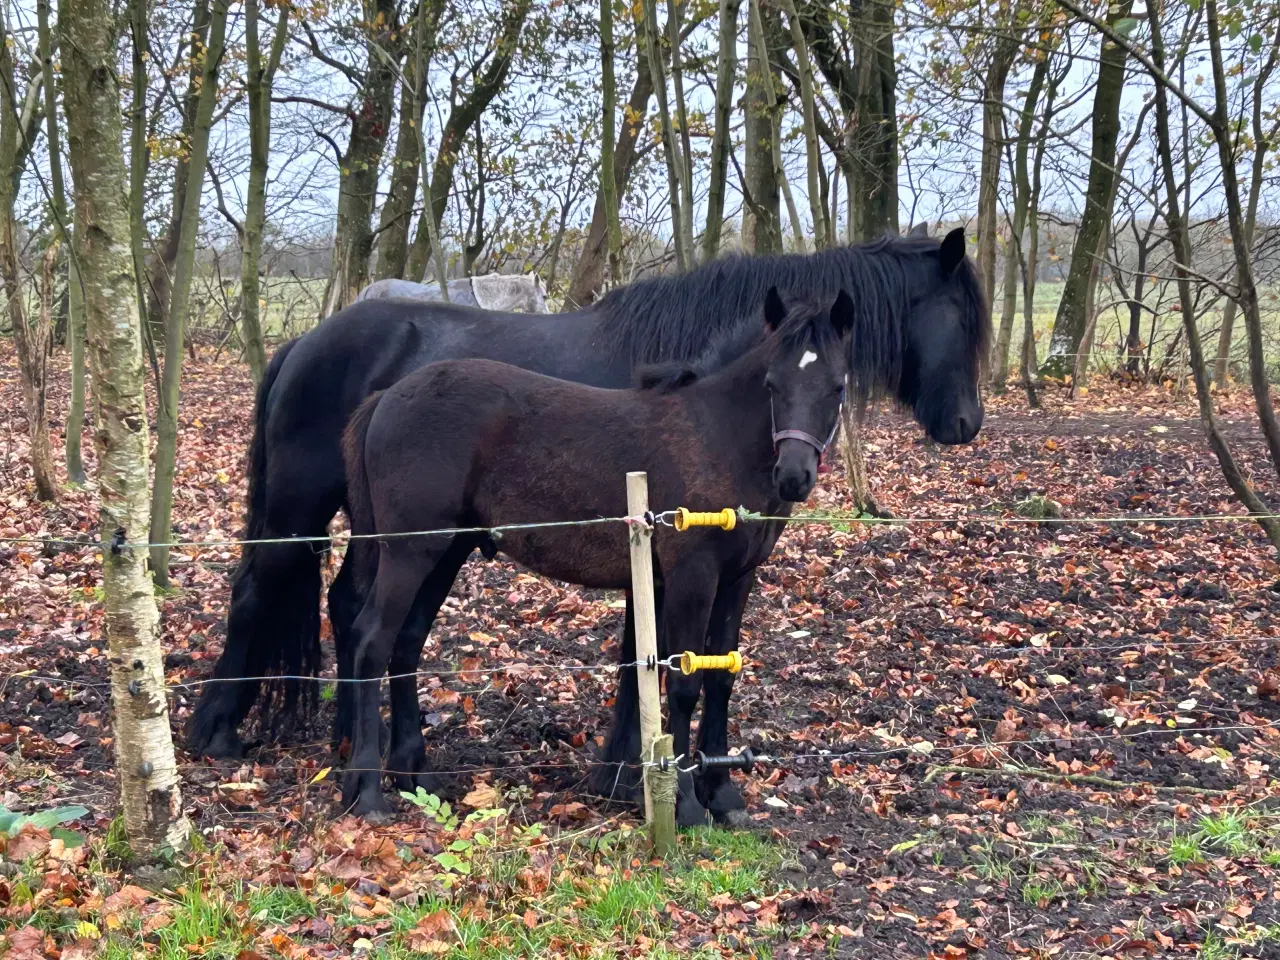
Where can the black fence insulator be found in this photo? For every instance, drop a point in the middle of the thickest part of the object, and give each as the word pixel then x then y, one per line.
pixel 744 761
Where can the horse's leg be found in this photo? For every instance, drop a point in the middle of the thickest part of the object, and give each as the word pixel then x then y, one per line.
pixel 402 568
pixel 407 758
pixel 345 603
pixel 618 777
pixel 686 611
pixel 273 627
pixel 715 788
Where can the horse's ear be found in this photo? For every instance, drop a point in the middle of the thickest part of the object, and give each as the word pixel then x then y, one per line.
pixel 952 251
pixel 842 313
pixel 920 230
pixel 775 311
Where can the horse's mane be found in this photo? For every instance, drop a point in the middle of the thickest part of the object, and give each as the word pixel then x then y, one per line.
pixel 677 318
pixel 806 324
pixel 712 311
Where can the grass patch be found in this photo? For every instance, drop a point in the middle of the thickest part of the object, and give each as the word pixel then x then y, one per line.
pixel 1227 831
pixel 1041 891
pixel 1185 849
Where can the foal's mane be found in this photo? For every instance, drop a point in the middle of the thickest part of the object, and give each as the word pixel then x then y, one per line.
pixel 807 324
pixel 675 318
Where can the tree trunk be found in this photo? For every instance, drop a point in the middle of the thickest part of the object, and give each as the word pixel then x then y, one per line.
pixel 31 341
pixel 462 116
pixel 1241 241
pixel 138 158
pixel 145 767
pixel 675 20
pixel 75 323
pixel 993 135
pixel 1069 325
pixel 670 145
pixel 588 273
pixel 761 220
pixel 1180 238
pixel 259 80
pixel 757 29
pixel 361 163
pixel 874 134
pixel 608 175
pixel 726 72
pixel 1021 203
pixel 183 268
pixel 813 147
pixel 397 210
pixel 159 276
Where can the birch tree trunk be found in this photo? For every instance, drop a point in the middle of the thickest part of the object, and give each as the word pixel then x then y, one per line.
pixel 175 324
pixel 608 176
pixel 258 83
pixel 726 70
pixel 138 157
pixel 145 767
pixel 75 306
pixel 670 145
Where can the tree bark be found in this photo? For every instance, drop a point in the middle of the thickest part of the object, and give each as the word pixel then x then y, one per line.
pixel 608 175
pixel 145 767
pixel 670 145
pixel 397 210
pixel 761 219
pixel 138 158
pixel 675 21
pixel 1180 237
pixel 183 268
pixel 1021 203
pixel 993 136
pixel 462 116
pixel 358 181
pixel 1069 324
pixel 757 28
pixel 588 273
pixel 159 276
pixel 259 79
pixel 726 71
pixel 1241 245
pixel 813 146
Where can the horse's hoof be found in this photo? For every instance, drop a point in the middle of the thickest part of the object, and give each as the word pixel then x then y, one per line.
pixel 722 798
pixel 410 771
pixel 221 742
pixel 615 781
pixel 734 819
pixel 690 813
pixel 362 796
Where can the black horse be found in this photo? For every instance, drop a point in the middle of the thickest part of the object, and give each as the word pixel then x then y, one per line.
pixel 478 443
pixel 918 299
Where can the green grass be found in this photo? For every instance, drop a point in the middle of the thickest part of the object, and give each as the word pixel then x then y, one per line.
pixel 1041 891
pixel 1228 831
pixel 599 900
pixel 1184 849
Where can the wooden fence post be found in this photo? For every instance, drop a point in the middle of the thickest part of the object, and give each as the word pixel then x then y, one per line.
pixel 659 788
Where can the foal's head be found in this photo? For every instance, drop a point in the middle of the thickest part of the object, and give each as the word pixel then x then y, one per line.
pixel 808 362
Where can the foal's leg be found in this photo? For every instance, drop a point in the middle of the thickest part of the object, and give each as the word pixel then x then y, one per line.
pixel 686 610
pixel 407 759
pixel 715 788
pixel 617 776
pixel 402 568
pixel 345 603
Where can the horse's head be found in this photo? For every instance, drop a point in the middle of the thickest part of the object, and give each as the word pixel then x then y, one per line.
pixel 946 337
pixel 805 376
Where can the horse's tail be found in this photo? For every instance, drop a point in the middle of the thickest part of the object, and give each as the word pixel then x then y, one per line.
pixel 273 624
pixel 256 514
pixel 359 499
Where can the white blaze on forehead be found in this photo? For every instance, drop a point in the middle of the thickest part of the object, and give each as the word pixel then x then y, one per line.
pixel 808 358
